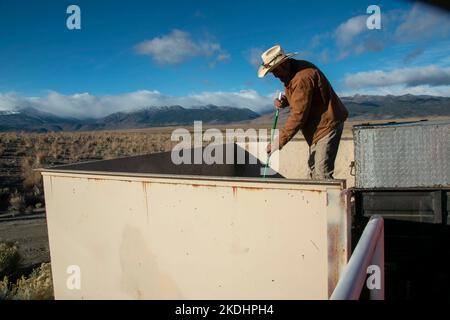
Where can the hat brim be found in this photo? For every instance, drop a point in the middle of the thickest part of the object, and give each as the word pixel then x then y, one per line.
pixel 263 71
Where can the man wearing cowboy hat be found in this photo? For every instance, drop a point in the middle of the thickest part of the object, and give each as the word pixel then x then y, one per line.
pixel 316 109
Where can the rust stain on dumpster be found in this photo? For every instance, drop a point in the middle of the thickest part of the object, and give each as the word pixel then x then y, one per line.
pixel 251 188
pixel 236 188
pixel 95 179
pixel 145 196
pixel 334 255
pixel 315 245
pixel 313 190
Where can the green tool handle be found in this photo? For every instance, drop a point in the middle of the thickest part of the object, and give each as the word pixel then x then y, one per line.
pixel 271 139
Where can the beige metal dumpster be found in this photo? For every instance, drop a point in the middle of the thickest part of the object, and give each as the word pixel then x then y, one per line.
pixel 143 228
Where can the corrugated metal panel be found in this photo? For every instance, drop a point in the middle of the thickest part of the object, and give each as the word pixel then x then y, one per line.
pixel 412 154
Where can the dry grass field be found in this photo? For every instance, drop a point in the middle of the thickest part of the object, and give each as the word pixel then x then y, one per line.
pixel 20 153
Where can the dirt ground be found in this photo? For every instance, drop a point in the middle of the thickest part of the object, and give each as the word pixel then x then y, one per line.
pixel 31 236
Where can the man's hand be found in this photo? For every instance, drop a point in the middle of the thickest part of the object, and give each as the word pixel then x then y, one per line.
pixel 272 147
pixel 280 103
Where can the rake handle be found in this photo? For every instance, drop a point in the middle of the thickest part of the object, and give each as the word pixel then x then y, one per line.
pixel 271 140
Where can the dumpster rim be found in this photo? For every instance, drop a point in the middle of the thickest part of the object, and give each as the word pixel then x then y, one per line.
pixel 331 182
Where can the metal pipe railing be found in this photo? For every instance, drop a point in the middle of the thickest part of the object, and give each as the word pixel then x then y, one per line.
pixel 367 256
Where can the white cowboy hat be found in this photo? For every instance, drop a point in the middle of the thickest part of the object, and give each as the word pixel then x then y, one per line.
pixel 272 58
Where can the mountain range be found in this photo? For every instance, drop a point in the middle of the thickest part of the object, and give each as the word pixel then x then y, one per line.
pixel 31 120
pixel 394 107
pixel 364 107
pixel 370 107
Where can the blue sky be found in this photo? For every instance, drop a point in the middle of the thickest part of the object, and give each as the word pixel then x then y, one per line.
pixel 131 54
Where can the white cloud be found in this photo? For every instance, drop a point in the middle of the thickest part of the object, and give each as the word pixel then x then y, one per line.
pixel 442 91
pixel 420 22
pixel 324 56
pixel 223 57
pixel 409 77
pixel 353 38
pixel 423 22
pixel 83 105
pixel 178 46
pixel 253 56
pixel 318 39
pixel 413 55
pixel 347 31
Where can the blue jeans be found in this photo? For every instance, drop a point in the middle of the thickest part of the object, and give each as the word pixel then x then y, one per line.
pixel 322 154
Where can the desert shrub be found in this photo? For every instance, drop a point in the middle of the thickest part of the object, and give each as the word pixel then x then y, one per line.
pixel 30 177
pixel 4 288
pixel 38 286
pixel 32 197
pixel 40 158
pixel 16 202
pixel 9 259
pixel 29 210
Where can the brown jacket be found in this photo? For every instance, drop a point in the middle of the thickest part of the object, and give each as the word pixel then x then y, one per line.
pixel 315 107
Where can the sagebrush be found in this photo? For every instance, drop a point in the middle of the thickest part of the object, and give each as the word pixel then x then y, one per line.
pixel 37 286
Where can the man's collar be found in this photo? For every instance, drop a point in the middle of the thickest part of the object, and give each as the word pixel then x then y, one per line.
pixel 292 72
